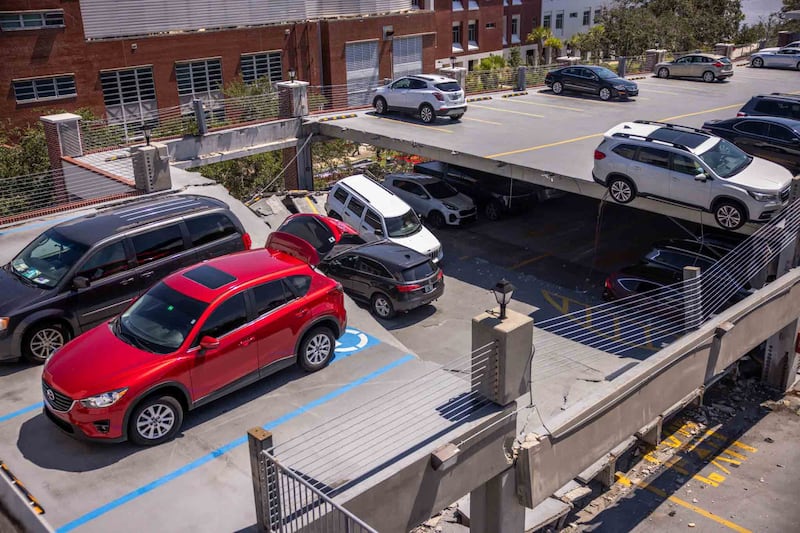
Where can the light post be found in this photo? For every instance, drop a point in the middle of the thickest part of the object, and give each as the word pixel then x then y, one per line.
pixel 147 130
pixel 503 290
pixel 452 61
pixel 292 74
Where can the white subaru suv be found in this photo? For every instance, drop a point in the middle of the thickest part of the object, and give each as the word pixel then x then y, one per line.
pixel 428 95
pixel 690 167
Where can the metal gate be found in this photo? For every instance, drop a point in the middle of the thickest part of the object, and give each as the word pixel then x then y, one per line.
pixel 362 72
pixel 407 55
pixel 292 504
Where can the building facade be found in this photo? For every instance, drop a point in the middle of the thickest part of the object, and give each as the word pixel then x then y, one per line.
pixel 565 18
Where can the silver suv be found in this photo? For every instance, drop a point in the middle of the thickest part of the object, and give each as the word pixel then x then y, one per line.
pixel 428 95
pixel 690 167
pixel 436 200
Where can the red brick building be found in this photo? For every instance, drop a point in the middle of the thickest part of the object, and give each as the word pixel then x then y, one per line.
pixel 125 59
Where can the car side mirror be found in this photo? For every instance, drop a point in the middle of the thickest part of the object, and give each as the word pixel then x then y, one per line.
pixel 379 232
pixel 701 176
pixel 80 282
pixel 424 196
pixel 208 343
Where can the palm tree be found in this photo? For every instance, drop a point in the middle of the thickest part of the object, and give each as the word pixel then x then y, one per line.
pixel 539 36
pixel 550 45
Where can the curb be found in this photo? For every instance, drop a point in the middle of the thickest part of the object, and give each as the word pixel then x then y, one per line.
pixel 637 78
pixel 479 98
pixel 337 117
pixel 521 93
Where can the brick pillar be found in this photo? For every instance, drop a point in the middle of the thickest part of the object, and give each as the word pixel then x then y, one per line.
pixel 290 177
pixel 62 134
pixel 293 103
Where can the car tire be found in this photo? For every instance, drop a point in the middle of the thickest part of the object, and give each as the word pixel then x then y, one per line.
pixel 729 215
pixel 381 306
pixel 436 219
pixel 316 349
pixel 798 65
pixel 757 62
pixel 456 118
pixel 621 189
pixel 558 87
pixel 42 339
pixel 380 105
pixel 708 76
pixel 605 94
pixel 426 113
pixel 663 72
pixel 155 420
pixel 493 210
pixel 335 215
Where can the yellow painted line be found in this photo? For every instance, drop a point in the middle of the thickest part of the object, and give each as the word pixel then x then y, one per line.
pixel 735 454
pixel 528 102
pixel 740 104
pixel 483 121
pixel 508 111
pixel 715 463
pixel 708 481
pixel 311 205
pixel 744 446
pixel 548 145
pixel 731 461
pixel 529 261
pixel 433 128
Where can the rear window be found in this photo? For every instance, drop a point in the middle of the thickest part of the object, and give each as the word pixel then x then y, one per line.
pixel 209 228
pixel 628 151
pixel 777 108
pixel 448 86
pixel 312 231
pixel 724 59
pixel 340 194
pixel 417 272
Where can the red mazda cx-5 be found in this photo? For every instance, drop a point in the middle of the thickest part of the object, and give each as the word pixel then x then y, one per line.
pixel 200 333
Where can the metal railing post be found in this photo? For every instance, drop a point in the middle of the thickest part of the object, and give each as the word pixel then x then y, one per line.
pixel 200 116
pixel 693 304
pixel 264 479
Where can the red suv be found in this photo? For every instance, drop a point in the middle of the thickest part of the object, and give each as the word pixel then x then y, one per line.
pixel 197 335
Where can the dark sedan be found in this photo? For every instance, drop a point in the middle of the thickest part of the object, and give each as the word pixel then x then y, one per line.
pixel 773 138
pixel 590 79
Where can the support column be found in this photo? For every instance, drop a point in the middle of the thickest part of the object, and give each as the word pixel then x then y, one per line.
pixel 457 73
pixel 780 358
pixel 494 507
pixel 293 103
pixel 692 303
pixel 652 57
pixel 267 505
pixel 62 134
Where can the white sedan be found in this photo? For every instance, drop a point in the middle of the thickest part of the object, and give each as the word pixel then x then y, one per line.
pixel 783 57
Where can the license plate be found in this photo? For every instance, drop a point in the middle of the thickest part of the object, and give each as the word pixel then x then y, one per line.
pixel 429 288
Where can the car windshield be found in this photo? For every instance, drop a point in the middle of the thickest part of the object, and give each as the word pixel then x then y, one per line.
pixel 404 225
pixel 316 233
pixel 441 189
pixel 726 159
pixel 46 260
pixel 605 73
pixel 160 320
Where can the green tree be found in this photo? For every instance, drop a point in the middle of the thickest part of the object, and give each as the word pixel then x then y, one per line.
pixel 490 63
pixel 552 45
pixel 539 35
pixel 514 57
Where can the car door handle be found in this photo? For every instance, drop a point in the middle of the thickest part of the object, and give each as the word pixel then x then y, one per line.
pixel 147 274
pixel 245 342
pixel 301 313
pixel 126 281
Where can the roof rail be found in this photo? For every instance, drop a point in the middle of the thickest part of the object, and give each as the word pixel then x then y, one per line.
pixel 672 126
pixel 787 95
pixel 649 139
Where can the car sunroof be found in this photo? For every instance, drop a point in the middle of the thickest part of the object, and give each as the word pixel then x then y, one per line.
pixel 209 276
pixel 692 140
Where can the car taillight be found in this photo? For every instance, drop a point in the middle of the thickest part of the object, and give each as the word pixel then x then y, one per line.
pixel 440 275
pixel 247 241
pixel 408 288
pixel 608 283
pixel 439 96
pixel 598 155
pixel 740 114
pixel 718 64
pixel 338 287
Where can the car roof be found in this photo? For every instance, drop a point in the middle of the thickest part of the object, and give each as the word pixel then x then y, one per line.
pixel 708 250
pixel 93 227
pixel 391 254
pixel 779 96
pixel 433 78
pixel 241 267
pixel 785 121
pixel 662 133
pixel 379 197
pixel 649 271
pixel 422 179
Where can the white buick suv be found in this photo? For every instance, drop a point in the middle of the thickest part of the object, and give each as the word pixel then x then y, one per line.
pixel 428 95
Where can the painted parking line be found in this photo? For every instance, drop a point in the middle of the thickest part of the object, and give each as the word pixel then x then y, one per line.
pixel 528 102
pixel 529 261
pixel 22 411
pixel 433 128
pixel 312 206
pixel 702 112
pixel 534 115
pixel 548 145
pixel 482 121
pixel 222 450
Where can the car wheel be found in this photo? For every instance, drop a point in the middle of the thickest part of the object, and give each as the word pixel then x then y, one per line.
pixel 729 215
pixel 493 210
pixel 663 72
pixel 757 62
pixel 621 189
pixel 558 87
pixel 456 118
pixel 334 215
pixel 605 94
pixel 436 219
pixel 155 420
pixel 316 349
pixel 42 340
pixel 381 306
pixel 708 76
pixel 380 105
pixel 798 65
pixel 426 113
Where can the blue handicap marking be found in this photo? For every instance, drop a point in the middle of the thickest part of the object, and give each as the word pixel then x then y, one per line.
pixel 353 341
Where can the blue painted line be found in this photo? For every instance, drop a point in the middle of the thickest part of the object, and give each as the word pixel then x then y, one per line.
pixel 91 515
pixel 23 226
pixel 22 411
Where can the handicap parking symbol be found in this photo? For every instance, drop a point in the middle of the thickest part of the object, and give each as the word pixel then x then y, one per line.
pixel 353 341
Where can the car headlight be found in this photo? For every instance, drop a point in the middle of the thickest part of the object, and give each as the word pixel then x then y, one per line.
pixel 451 207
pixel 763 196
pixel 107 399
pixel 3 323
pixel 619 87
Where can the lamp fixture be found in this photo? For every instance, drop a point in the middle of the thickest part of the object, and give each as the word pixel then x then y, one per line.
pixel 147 130
pixel 292 74
pixel 503 290
pixel 452 61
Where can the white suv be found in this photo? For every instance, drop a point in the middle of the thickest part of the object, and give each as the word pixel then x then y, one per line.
pixel 429 95
pixel 377 213
pixel 690 167
pixel 436 200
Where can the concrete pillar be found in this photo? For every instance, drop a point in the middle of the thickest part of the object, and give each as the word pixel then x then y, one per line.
pixel 293 98
pixel 651 57
pixel 293 103
pixel 457 73
pixel 780 358
pixel 692 301
pixel 651 433
pixel 151 168
pixel 724 49
pixel 494 507
pixel 501 372
pixel 200 116
pixel 264 480
pixel 62 134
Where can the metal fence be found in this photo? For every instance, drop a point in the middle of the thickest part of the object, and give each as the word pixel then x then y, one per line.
pixel 294 505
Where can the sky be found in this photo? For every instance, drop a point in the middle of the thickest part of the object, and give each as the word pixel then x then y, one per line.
pixel 755 9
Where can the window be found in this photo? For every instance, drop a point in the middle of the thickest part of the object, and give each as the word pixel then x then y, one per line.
pixel 753 127
pixel 782 133
pixel 473 4
pixel 129 94
pixel 39 89
pixel 490 25
pixel 210 228
pixel 265 65
pixel 31 20
pixel 573 15
pixel 368 266
pixel 457 36
pixel 110 259
pixel 417 85
pixel 472 35
pixel 685 165
pixel 653 156
pixel 586 16
pixel 228 316
pixel 372 220
pixel 546 20
pixel 269 296
pixel 340 195
pixel 597 13
pixel 778 109
pixel 355 206
pixel 515 29
pixel 157 244
pixel 559 21
pixel 457 6
pixel 298 285
pixel 199 79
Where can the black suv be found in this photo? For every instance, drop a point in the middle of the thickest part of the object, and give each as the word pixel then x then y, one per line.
pixel 82 272
pixel 773 105
pixel 494 195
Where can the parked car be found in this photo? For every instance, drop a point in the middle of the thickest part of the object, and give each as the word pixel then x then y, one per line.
pixel 706 66
pixel 637 279
pixel 590 79
pixel 675 254
pixel 793 44
pixel 428 95
pixel 493 195
pixel 774 138
pixel 774 105
pixel 781 58
pixel 434 199
pixel 377 213
pixel 691 167
pixel 197 335
pixel 84 271
pixel 324 233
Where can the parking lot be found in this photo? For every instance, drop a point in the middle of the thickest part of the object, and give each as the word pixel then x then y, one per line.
pixel 556 255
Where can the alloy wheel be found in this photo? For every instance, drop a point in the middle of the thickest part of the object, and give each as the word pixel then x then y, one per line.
pixel 318 349
pixel 45 341
pixel 155 421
